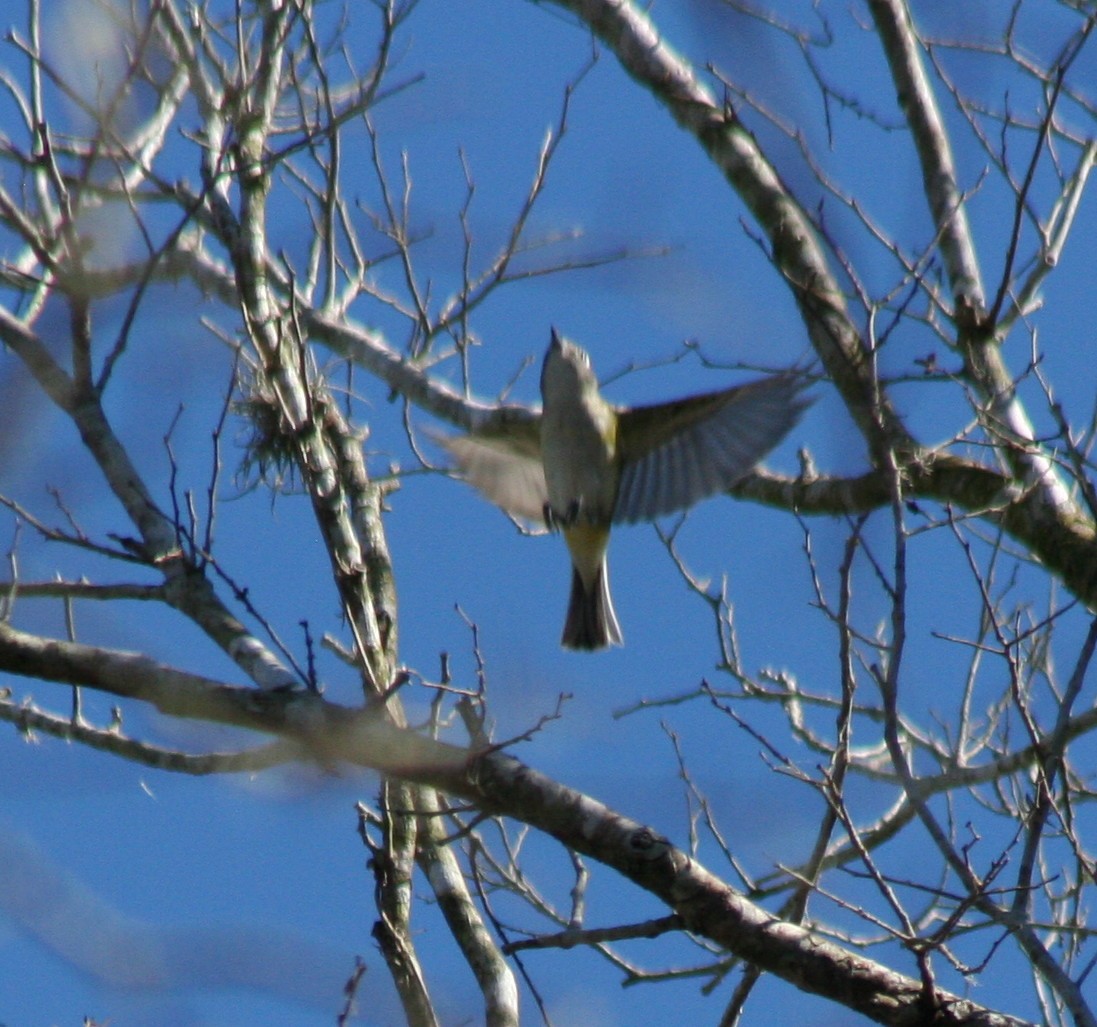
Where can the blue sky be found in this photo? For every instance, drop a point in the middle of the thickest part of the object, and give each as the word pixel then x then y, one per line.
pixel 192 870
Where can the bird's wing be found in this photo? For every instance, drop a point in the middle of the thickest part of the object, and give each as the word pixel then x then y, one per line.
pixel 505 468
pixel 675 454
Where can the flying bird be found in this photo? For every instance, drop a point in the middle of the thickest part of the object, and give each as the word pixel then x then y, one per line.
pixel 583 465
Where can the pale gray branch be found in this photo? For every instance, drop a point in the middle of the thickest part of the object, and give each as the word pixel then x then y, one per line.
pixel 500 784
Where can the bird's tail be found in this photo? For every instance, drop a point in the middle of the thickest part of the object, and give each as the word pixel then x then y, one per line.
pixel 591 621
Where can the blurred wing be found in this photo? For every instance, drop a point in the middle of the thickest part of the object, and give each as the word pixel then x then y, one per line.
pixel 505 468
pixel 675 454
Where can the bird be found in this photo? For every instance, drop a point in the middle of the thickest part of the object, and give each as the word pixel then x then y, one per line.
pixel 583 465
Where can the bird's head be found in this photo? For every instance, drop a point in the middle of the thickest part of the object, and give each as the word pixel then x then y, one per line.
pixel 566 367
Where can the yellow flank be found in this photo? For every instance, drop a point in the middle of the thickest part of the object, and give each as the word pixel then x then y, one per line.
pixel 609 430
pixel 587 543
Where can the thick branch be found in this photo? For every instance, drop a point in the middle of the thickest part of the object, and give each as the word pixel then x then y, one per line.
pixel 919 106
pixel 186 588
pixel 502 785
pixel 979 339
pixel 630 34
pixel 438 862
pixel 1063 542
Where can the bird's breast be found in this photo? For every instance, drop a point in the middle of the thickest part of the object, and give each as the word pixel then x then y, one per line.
pixel 578 437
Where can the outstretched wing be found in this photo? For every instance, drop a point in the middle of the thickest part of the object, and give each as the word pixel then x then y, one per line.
pixel 505 468
pixel 675 454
